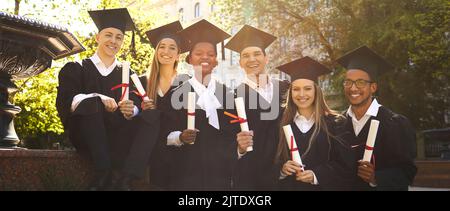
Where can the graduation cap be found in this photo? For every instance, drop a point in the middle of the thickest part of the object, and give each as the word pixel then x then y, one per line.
pixel 304 68
pixel 250 37
pixel 203 31
pixel 363 58
pixel 114 18
pixel 167 31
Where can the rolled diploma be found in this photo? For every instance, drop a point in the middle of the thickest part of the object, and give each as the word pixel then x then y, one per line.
pixel 125 79
pixel 139 86
pixel 296 154
pixel 371 140
pixel 191 110
pixel 240 107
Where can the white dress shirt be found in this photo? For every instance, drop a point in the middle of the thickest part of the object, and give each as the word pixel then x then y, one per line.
pixel 358 125
pixel 304 124
pixel 266 92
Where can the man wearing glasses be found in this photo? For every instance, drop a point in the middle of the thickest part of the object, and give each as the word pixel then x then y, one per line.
pixel 392 164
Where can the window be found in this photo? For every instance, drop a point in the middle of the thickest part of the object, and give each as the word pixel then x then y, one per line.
pixel 181 14
pixel 197 10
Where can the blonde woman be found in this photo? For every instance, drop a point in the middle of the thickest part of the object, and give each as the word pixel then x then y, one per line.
pixel 326 157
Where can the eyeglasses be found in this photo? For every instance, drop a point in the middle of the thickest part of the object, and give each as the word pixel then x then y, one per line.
pixel 360 83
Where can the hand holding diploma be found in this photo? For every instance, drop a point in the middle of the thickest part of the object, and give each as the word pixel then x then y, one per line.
pixel 240 107
pixel 125 80
pixel 371 140
pixel 147 103
pixel 127 108
pixel 366 171
pixel 139 87
pixel 191 132
pixel 188 136
pixel 110 104
pixel 290 168
pixel 245 140
pixel 305 176
pixel 290 139
pixel 191 111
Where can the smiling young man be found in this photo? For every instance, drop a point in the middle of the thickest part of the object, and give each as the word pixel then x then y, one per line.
pixel 262 96
pixel 96 118
pixel 392 166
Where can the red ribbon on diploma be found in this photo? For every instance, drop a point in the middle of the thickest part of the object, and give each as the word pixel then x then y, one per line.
pixel 237 119
pixel 124 91
pixel 191 114
pixel 292 149
pixel 141 96
pixel 369 148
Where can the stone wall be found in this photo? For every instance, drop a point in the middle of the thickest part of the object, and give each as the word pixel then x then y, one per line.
pixel 54 170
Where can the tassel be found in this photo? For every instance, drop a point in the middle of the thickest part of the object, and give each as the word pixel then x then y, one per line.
pixel 133 45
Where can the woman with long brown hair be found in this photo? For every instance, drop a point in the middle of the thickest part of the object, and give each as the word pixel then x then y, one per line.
pixel 161 79
pixel 316 131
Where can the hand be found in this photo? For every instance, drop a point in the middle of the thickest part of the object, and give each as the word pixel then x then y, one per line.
pixel 290 168
pixel 366 171
pixel 110 104
pixel 245 140
pixel 127 108
pixel 148 104
pixel 188 136
pixel 305 176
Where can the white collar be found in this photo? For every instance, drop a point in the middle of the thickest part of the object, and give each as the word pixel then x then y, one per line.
pixel 372 111
pixel 303 123
pixel 303 118
pixel 101 67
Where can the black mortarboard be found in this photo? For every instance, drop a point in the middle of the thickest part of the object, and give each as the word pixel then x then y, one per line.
pixel 167 31
pixel 304 68
pixel 363 58
pixel 203 31
pixel 250 37
pixel 113 18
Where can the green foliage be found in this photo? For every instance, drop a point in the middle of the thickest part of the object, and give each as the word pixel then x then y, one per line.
pixel 37 98
pixel 413 35
pixel 38 125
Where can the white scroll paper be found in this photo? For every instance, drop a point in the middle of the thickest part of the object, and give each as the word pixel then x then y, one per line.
pixel 371 140
pixel 290 139
pixel 240 107
pixel 139 86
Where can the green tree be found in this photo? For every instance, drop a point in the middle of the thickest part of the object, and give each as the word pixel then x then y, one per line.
pixel 38 124
pixel 413 35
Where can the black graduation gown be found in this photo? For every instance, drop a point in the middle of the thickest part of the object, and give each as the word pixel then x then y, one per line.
pixel 331 161
pixel 160 157
pixel 208 164
pixel 394 151
pixel 255 169
pixel 106 137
